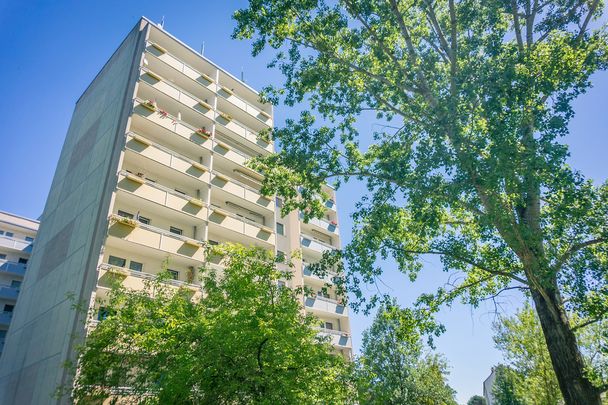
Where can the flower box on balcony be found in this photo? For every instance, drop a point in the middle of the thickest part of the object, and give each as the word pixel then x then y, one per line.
pixel 119 271
pixel 334 223
pixel 223 145
pixel 197 202
pixel 207 77
pixel 220 212
pixel 225 116
pixel 159 48
pixel 267 229
pixel 198 166
pixel 141 139
pixel 203 132
pixel 265 114
pixel 221 177
pixel 192 242
pixel 227 90
pixel 149 104
pixel 153 75
pixel 136 179
pixel 163 113
pixel 130 222
pixel 205 105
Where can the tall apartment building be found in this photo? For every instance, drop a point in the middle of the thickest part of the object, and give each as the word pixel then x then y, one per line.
pixel 16 240
pixel 152 166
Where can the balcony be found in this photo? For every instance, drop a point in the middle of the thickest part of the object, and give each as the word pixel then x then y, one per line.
pixel 234 188
pixel 145 148
pixel 239 229
pixel 337 338
pixel 155 238
pixel 6 318
pixel 206 81
pixel 134 280
pixel 313 245
pixel 155 193
pixel 154 87
pixel 323 225
pixel 324 305
pixel 12 268
pixel 164 126
pixel 159 54
pixel 309 275
pixel 15 244
pixel 9 293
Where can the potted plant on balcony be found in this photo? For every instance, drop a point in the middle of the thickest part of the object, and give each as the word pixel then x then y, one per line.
pixel 163 113
pixel 334 222
pixel 204 132
pixel 130 222
pixel 150 105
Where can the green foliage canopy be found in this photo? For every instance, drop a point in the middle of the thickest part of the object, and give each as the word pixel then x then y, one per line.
pixel 245 341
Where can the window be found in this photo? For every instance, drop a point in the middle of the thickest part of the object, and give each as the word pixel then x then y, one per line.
pixel 125 214
pixel 175 230
pixel 9 234
pixel 29 239
pixel 15 283
pixel 22 260
pixel 328 325
pixel 280 255
pixel 279 202
pixel 213 242
pixel 2 256
pixel 136 266
pixel 280 228
pixel 174 274
pixel 180 191
pixel 117 261
pixel 1 232
pixel 8 308
pixel 144 220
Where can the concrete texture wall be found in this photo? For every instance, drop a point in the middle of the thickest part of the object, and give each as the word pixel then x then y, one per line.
pixel 45 328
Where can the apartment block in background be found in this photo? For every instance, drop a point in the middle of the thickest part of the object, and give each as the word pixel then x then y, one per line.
pixel 16 240
pixel 154 164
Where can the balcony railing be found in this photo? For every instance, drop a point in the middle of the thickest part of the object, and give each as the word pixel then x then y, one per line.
pixel 165 196
pixel 8 292
pixel 337 338
pixel 240 190
pixel 12 267
pixel 244 226
pixel 5 318
pixel 15 244
pixel 194 74
pixel 169 158
pixel 323 304
pixel 328 277
pixel 176 126
pixel 156 238
pixel 312 243
pixel 146 276
pixel 328 226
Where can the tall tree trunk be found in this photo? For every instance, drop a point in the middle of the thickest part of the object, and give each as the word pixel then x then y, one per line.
pixel 564 351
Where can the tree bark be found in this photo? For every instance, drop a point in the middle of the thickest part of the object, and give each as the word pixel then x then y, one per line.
pixel 564 351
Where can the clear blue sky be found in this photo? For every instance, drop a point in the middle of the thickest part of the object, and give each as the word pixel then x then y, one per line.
pixel 52 50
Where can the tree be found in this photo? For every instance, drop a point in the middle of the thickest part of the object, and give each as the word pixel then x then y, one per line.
pixel 520 339
pixel 392 368
pixel 245 341
pixel 530 375
pixel 476 96
pixel 505 389
pixel 476 400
